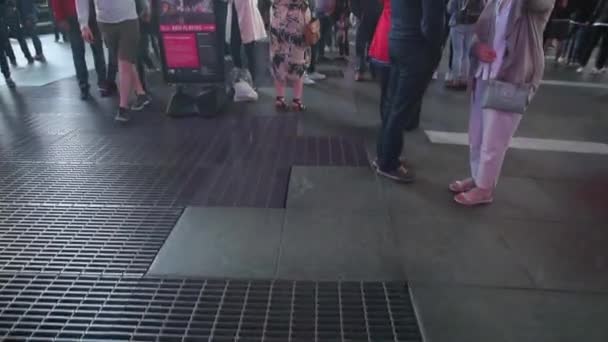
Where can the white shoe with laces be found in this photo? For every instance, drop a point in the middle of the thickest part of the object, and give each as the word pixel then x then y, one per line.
pixel 317 76
pixel 308 80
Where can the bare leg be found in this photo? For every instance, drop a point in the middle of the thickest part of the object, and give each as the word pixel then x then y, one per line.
pixel 125 70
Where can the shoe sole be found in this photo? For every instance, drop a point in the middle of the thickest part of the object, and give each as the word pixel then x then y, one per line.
pixel 396 179
pixel 485 202
pixel 142 106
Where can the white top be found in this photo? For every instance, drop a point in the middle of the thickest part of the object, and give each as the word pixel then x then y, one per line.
pixel 488 71
pixel 108 11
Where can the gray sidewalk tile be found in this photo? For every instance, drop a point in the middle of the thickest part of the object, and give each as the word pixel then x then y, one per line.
pixel 222 243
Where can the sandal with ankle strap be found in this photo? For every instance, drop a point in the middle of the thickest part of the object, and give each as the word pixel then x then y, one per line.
pixel 297 105
pixel 460 186
pixel 280 103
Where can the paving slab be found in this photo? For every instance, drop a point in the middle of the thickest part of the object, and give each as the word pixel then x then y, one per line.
pixel 335 189
pixel 337 246
pixel 456 251
pixel 466 314
pixel 221 243
pixel 561 256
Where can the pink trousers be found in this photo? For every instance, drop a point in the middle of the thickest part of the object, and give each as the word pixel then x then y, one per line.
pixel 490 132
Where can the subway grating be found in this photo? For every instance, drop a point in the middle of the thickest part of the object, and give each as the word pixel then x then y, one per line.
pixel 93 184
pixel 82 239
pixel 83 308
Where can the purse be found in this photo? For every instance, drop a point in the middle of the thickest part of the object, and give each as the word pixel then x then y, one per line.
pixel 506 97
pixel 312 32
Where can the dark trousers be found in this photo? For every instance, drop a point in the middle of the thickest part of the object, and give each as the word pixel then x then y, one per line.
pixel 314 56
pixel 325 39
pixel 144 61
pixel 384 73
pixel 365 34
pixel 3 58
pixel 593 37
pixel 31 32
pixel 16 32
pixel 412 67
pixel 236 45
pixel 78 46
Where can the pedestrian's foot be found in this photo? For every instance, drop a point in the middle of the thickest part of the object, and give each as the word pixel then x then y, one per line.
pixel 460 186
pixel 435 75
pixel 14 63
pixel 358 77
pixel 10 83
pixel 400 174
pixel 40 58
pixel 403 162
pixel 30 60
pixel 107 89
pixel 307 80
pixel 474 197
pixel 122 115
pixel 580 69
pixel 84 94
pixel 141 102
pixel 597 71
pixel 297 105
pixel 317 76
pixel 280 103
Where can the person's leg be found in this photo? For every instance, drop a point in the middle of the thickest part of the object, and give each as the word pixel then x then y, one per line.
pixel 298 89
pixel 6 71
pixel 251 61
pixel 325 35
pixel 466 62
pixel 591 40
pixel 457 39
pixel 8 49
pixel 602 57
pixel 360 43
pixel 32 32
pixel 498 130
pixel 99 59
pixel 384 72
pixel 19 35
pixel 476 127
pixel 235 41
pixel 408 84
pixel 77 46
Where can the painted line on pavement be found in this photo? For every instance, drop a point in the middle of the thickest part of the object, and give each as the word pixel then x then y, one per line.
pixel 575 84
pixel 554 145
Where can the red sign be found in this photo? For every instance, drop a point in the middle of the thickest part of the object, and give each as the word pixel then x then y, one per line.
pixel 181 50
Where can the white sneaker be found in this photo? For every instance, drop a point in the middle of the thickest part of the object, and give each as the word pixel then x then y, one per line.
pixel 580 69
pixel 308 80
pixel 436 75
pixel 317 76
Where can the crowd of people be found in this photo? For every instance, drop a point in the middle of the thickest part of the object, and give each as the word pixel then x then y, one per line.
pixel 18 19
pixel 497 50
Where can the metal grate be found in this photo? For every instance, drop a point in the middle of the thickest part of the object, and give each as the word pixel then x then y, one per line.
pixel 93 184
pixel 43 308
pixel 82 240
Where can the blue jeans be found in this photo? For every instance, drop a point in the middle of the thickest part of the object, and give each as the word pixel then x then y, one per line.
pixel 412 67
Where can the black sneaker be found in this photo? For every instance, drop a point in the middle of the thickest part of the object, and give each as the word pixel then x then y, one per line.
pixel 141 102
pixel 40 58
pixel 10 83
pixel 400 174
pixel 107 89
pixel 84 94
pixel 122 115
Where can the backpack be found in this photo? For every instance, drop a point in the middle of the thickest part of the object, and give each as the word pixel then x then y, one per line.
pixel 469 11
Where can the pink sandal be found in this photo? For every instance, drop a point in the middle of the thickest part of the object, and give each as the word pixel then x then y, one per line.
pixel 474 197
pixel 460 186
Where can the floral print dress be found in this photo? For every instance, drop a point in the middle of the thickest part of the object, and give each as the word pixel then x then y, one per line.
pixel 289 53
